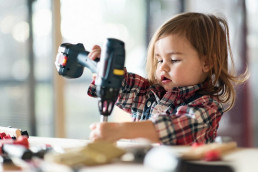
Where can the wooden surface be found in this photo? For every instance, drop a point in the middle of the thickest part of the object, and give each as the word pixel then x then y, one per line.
pixel 241 159
pixel 59 82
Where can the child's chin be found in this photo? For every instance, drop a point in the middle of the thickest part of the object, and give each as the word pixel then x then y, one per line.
pixel 170 86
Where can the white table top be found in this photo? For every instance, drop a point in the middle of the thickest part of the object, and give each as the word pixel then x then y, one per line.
pixel 242 159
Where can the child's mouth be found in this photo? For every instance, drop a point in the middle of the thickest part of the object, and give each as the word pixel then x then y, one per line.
pixel 165 80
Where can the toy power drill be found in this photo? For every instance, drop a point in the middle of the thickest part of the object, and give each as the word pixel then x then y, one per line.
pixel 71 60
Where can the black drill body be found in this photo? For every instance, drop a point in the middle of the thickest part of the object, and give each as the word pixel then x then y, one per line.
pixel 72 58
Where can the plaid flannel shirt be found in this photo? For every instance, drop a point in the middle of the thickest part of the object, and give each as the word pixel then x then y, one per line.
pixel 179 115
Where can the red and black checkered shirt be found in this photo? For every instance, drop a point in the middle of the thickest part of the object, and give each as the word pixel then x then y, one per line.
pixel 181 116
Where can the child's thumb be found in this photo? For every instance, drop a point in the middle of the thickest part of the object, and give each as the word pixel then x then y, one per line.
pixel 94 76
pixel 93 126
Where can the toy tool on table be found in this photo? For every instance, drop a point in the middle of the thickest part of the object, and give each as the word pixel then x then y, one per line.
pixel 17 151
pixel 206 151
pixel 96 153
pixel 72 58
pixel 8 165
pixel 22 140
pixel 14 143
pixel 12 132
pixel 189 161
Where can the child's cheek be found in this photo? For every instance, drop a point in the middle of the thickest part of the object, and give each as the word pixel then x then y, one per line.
pixel 178 75
pixel 157 75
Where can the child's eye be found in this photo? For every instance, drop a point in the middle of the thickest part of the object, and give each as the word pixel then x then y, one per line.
pixel 175 61
pixel 159 61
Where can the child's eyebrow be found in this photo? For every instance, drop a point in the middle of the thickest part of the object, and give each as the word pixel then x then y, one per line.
pixel 169 53
pixel 156 55
pixel 174 52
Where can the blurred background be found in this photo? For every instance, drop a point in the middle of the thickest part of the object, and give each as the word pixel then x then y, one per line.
pixel 34 98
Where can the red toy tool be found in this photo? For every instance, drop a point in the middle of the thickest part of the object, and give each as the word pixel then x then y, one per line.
pixel 22 140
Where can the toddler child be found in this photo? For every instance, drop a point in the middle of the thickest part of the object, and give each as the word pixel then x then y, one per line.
pixel 188 80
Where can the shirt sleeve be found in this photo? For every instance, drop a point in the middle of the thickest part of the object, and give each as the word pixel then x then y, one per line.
pixel 92 89
pixel 195 122
pixel 132 95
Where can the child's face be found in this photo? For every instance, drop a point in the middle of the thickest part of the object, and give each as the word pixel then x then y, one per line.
pixel 178 63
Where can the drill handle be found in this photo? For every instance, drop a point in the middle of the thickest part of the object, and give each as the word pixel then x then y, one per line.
pixel 85 61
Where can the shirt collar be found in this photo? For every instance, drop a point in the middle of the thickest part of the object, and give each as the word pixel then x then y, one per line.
pixel 179 92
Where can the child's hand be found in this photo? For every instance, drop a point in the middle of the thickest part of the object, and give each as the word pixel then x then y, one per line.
pixel 111 131
pixel 95 52
pixel 106 131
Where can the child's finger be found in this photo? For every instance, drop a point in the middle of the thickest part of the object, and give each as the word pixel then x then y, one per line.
pixel 93 126
pixel 94 76
pixel 96 47
pixel 95 53
pixel 92 55
pixel 93 136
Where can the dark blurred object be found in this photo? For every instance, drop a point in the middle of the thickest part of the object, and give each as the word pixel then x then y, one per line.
pixel 136 153
pixel 17 151
pixel 7 164
pixel 164 159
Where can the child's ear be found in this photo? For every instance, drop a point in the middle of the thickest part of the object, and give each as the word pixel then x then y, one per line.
pixel 206 66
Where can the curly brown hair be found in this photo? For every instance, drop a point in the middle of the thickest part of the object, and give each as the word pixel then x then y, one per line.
pixel 209 35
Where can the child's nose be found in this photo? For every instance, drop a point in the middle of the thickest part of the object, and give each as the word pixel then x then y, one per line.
pixel 164 67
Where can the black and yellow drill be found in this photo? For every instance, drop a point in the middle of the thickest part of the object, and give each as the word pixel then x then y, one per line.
pixel 72 58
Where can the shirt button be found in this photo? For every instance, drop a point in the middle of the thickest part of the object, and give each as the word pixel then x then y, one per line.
pixel 178 101
pixel 148 103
